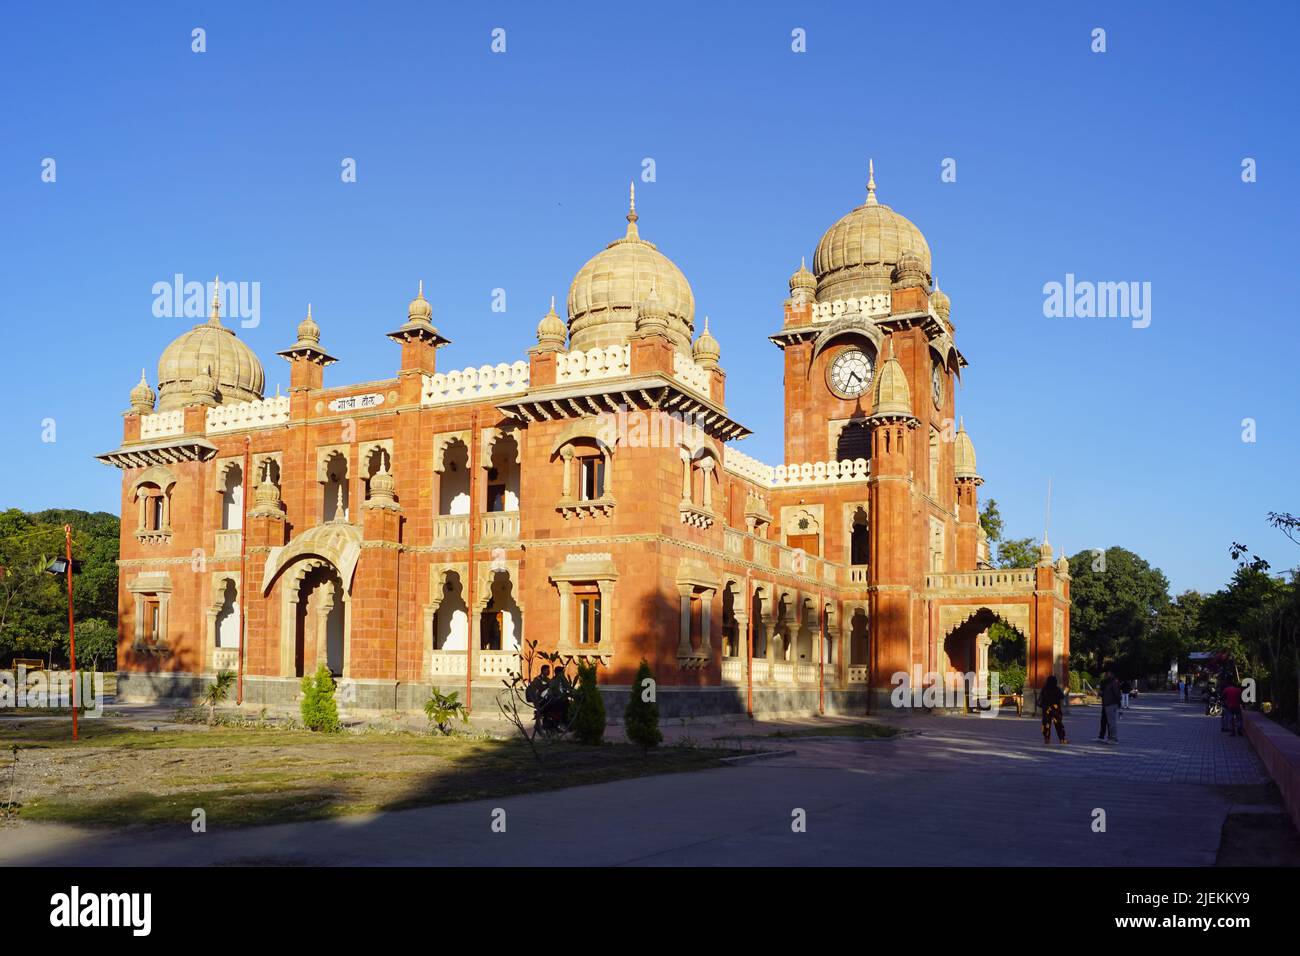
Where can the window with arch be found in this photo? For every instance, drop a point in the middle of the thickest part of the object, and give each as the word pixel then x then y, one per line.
pixel 503 475
pixel 859 538
pixel 586 476
pixel 699 486
pixel 335 492
pixel 934 462
pixel 453 478
pixel 153 496
pixel 232 497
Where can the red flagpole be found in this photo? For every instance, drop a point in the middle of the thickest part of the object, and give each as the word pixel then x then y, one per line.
pixel 243 572
pixel 72 633
pixel 749 670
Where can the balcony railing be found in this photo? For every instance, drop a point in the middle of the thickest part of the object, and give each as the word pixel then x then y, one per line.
pixel 857 573
pixel 1011 580
pixel 228 543
pixel 451 529
pixel 733 669
pixel 490 664
pixel 501 526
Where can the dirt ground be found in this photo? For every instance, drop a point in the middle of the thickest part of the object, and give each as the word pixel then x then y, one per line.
pixel 120 776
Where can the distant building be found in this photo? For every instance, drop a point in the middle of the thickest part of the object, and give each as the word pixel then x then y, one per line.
pixel 586 496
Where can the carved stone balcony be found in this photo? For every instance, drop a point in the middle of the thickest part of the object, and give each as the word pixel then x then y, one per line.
pixel 572 508
pixel 451 531
pixel 228 543
pixel 500 526
pixel 696 516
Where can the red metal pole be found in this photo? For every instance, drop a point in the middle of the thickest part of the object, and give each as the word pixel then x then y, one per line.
pixel 473 542
pixel 821 654
pixel 749 669
pixel 243 574
pixel 72 633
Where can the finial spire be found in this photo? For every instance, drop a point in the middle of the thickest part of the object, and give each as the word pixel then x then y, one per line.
pixel 214 318
pixel 309 310
pixel 706 323
pixel 871 182
pixel 552 303
pixel 420 294
pixel 631 210
pixel 143 380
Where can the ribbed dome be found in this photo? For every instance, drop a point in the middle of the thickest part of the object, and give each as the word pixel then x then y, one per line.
pixel 964 454
pixel 236 371
pixel 857 255
pixel 893 397
pixel 706 350
pixel 607 293
pixel 142 396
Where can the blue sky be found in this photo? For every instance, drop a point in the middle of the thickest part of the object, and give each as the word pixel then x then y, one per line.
pixel 479 171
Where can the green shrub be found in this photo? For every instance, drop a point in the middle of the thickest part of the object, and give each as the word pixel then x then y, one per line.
pixel 442 709
pixel 587 709
pixel 641 719
pixel 216 693
pixel 1011 678
pixel 319 711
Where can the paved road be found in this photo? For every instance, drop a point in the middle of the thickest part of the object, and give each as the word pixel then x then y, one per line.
pixel 962 791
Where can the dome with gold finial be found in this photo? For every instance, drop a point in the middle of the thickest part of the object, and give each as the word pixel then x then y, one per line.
pixel 420 310
pixel 203 388
pixel 964 454
pixel 552 330
pixel 236 372
pixel 706 350
pixel 893 397
pixel 142 396
pixel 857 255
pixel 909 272
pixel 606 295
pixel 651 317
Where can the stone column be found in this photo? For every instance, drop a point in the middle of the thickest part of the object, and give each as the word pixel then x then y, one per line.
pixel 686 474
pixel 706 467
pixel 566 457
pixel 706 616
pixel 684 636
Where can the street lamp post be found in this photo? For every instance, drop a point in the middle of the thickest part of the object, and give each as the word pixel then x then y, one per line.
pixel 68 566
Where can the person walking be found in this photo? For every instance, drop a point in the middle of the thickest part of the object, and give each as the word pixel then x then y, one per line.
pixel 1125 689
pixel 1110 701
pixel 1050 699
pixel 1232 715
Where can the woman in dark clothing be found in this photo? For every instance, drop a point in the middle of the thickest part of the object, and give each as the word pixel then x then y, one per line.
pixel 1050 699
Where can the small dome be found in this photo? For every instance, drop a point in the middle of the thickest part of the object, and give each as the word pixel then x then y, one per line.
pixel 608 291
pixel 651 317
pixel 142 396
pixel 203 388
pixel 893 397
pixel 233 366
pixel 909 272
pixel 1063 566
pixel 857 255
pixel 803 284
pixel 706 349
pixel 308 330
pixel 551 330
pixel 1045 553
pixel 420 310
pixel 964 454
pixel 941 304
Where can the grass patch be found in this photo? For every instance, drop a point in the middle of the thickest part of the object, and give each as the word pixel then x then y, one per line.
pixel 240 776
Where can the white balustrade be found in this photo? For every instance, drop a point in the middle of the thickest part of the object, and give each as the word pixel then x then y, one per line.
pixel 486 381
pixel 496 663
pixel 734 542
pixel 760 669
pixel 450 663
pixel 733 669
pixel 500 525
pixel 746 467
pixel 595 363
pixel 689 374
pixel 859 673
pixel 261 413
pixel 1006 579
pixel 162 424
pixel 450 528
pixel 879 304
pixel 228 543
pixel 820 473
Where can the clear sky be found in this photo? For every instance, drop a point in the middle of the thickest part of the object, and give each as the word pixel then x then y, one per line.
pixel 479 170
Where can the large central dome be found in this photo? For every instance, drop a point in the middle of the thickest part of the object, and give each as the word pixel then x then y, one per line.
pixel 610 289
pixel 235 368
pixel 857 255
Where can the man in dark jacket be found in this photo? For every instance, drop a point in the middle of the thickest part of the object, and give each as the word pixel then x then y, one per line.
pixel 1110 700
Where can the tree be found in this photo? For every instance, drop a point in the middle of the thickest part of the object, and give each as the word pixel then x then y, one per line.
pixel 641 718
pixel 1116 605
pixel 319 710
pixel 587 709
pixel 1017 553
pixel 991 521
pixel 216 693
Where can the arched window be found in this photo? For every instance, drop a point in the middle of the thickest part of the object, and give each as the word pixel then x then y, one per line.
pixel 503 475
pixel 334 500
pixel 453 483
pixel 232 499
pixel 859 539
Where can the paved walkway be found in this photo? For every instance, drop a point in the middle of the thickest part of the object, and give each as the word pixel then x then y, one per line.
pixel 957 791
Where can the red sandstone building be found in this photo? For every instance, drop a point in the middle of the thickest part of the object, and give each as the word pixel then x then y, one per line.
pixel 417 530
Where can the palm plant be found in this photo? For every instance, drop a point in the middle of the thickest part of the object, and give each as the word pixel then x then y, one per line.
pixel 217 692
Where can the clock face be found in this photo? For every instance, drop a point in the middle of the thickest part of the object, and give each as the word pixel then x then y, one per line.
pixel 936 385
pixel 850 373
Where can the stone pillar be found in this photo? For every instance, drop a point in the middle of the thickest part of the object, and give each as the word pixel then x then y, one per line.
pixel 684 637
